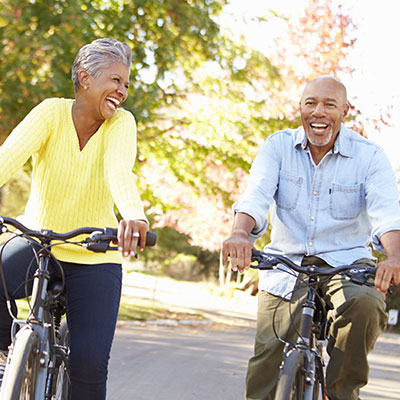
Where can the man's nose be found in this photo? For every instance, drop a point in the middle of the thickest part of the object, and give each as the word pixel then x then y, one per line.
pixel 319 109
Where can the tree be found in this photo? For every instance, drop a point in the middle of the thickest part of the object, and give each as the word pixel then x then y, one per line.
pixel 175 43
pixel 233 108
pixel 39 40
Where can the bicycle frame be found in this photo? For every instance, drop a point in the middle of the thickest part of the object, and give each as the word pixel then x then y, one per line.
pixel 40 321
pixel 40 344
pixel 308 344
pixel 302 373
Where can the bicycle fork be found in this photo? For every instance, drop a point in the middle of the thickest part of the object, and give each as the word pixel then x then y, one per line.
pixel 306 343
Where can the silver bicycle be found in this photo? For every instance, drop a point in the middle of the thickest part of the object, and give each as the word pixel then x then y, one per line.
pixel 302 372
pixel 37 364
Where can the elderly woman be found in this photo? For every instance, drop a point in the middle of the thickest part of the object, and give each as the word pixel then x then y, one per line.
pixel 83 151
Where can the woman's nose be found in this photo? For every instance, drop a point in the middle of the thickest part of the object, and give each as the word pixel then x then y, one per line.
pixel 123 91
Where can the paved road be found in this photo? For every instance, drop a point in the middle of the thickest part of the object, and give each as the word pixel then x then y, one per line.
pixel 240 310
pixel 203 363
pixel 206 362
pixel 178 364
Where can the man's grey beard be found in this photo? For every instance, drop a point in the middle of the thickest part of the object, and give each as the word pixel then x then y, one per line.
pixel 318 143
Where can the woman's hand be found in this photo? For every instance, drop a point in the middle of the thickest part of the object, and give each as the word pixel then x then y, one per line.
pixel 130 233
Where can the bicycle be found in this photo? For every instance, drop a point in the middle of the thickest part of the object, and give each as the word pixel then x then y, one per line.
pixel 37 363
pixel 302 374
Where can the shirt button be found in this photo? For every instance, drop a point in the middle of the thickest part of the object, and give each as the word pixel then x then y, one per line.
pixel 310 243
pixel 312 218
pixel 315 192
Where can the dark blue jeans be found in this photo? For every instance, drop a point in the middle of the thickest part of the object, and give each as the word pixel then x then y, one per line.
pixel 93 293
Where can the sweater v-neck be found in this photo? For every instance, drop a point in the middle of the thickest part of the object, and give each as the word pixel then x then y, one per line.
pixel 92 140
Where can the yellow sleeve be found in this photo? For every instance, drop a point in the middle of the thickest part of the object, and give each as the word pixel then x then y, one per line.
pixel 119 158
pixel 26 139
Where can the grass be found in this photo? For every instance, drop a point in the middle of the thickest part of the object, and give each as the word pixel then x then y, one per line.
pixel 132 309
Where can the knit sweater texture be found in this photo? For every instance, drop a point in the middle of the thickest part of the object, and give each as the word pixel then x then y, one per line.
pixel 72 188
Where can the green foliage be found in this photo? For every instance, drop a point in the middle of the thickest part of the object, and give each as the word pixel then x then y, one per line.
pixel 174 248
pixel 173 43
pixel 14 195
pixel 40 38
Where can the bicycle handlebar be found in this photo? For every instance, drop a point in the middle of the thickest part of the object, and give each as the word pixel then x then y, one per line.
pixel 357 274
pixel 98 236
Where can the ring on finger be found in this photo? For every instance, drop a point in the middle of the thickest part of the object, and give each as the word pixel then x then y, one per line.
pixel 135 234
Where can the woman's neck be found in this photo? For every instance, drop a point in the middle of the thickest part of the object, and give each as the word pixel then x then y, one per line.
pixel 85 124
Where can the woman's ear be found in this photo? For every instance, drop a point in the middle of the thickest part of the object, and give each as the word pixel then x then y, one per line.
pixel 84 79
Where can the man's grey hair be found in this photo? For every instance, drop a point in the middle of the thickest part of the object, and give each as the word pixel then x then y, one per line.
pixel 95 56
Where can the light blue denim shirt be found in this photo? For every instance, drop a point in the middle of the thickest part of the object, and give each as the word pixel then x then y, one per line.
pixel 332 210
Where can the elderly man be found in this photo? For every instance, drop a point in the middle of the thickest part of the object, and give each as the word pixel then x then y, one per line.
pixel 330 193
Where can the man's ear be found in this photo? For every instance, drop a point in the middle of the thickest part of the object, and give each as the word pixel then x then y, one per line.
pixel 345 111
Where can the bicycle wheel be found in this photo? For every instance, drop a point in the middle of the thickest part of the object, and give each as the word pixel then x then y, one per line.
pixel 62 378
pixel 22 372
pixel 291 380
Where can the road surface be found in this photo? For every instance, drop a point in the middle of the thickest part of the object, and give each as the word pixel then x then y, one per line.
pixel 209 363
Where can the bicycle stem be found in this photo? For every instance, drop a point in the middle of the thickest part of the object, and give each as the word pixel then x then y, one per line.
pixel 307 319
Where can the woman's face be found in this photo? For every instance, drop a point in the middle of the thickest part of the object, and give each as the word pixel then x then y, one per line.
pixel 109 89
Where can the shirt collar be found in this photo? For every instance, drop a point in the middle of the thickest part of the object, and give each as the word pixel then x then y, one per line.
pixel 342 143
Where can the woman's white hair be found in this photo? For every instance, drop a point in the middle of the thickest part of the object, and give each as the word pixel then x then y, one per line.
pixel 95 56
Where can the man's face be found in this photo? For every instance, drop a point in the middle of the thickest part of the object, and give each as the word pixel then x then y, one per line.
pixel 323 107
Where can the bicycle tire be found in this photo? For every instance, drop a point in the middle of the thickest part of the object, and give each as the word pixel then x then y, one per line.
pixel 291 380
pixel 62 377
pixel 22 372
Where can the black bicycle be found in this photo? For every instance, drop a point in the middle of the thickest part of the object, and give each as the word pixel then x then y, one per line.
pixel 302 373
pixel 37 364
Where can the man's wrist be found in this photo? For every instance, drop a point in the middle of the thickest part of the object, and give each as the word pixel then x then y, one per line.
pixel 240 232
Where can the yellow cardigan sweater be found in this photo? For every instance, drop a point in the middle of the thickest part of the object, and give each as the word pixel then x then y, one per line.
pixel 73 188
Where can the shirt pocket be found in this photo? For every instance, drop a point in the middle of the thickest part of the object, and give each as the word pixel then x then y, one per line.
pixel 288 192
pixel 346 201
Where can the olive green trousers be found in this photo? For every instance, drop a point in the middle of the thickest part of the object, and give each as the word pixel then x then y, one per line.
pixel 358 317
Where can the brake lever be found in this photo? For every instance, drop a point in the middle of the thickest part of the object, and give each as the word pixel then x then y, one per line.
pixel 98 246
pixel 263 262
pixel 360 276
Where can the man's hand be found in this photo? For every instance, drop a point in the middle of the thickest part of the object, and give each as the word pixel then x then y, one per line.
pixel 238 248
pixel 389 270
pixel 129 232
pixel 388 273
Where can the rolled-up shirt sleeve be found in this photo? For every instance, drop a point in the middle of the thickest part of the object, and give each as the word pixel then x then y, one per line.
pixel 261 188
pixel 382 198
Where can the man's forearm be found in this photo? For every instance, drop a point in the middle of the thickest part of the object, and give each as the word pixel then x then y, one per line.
pixel 243 224
pixel 391 243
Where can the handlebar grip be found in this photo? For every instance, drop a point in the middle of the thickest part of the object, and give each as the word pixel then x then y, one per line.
pixel 151 237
